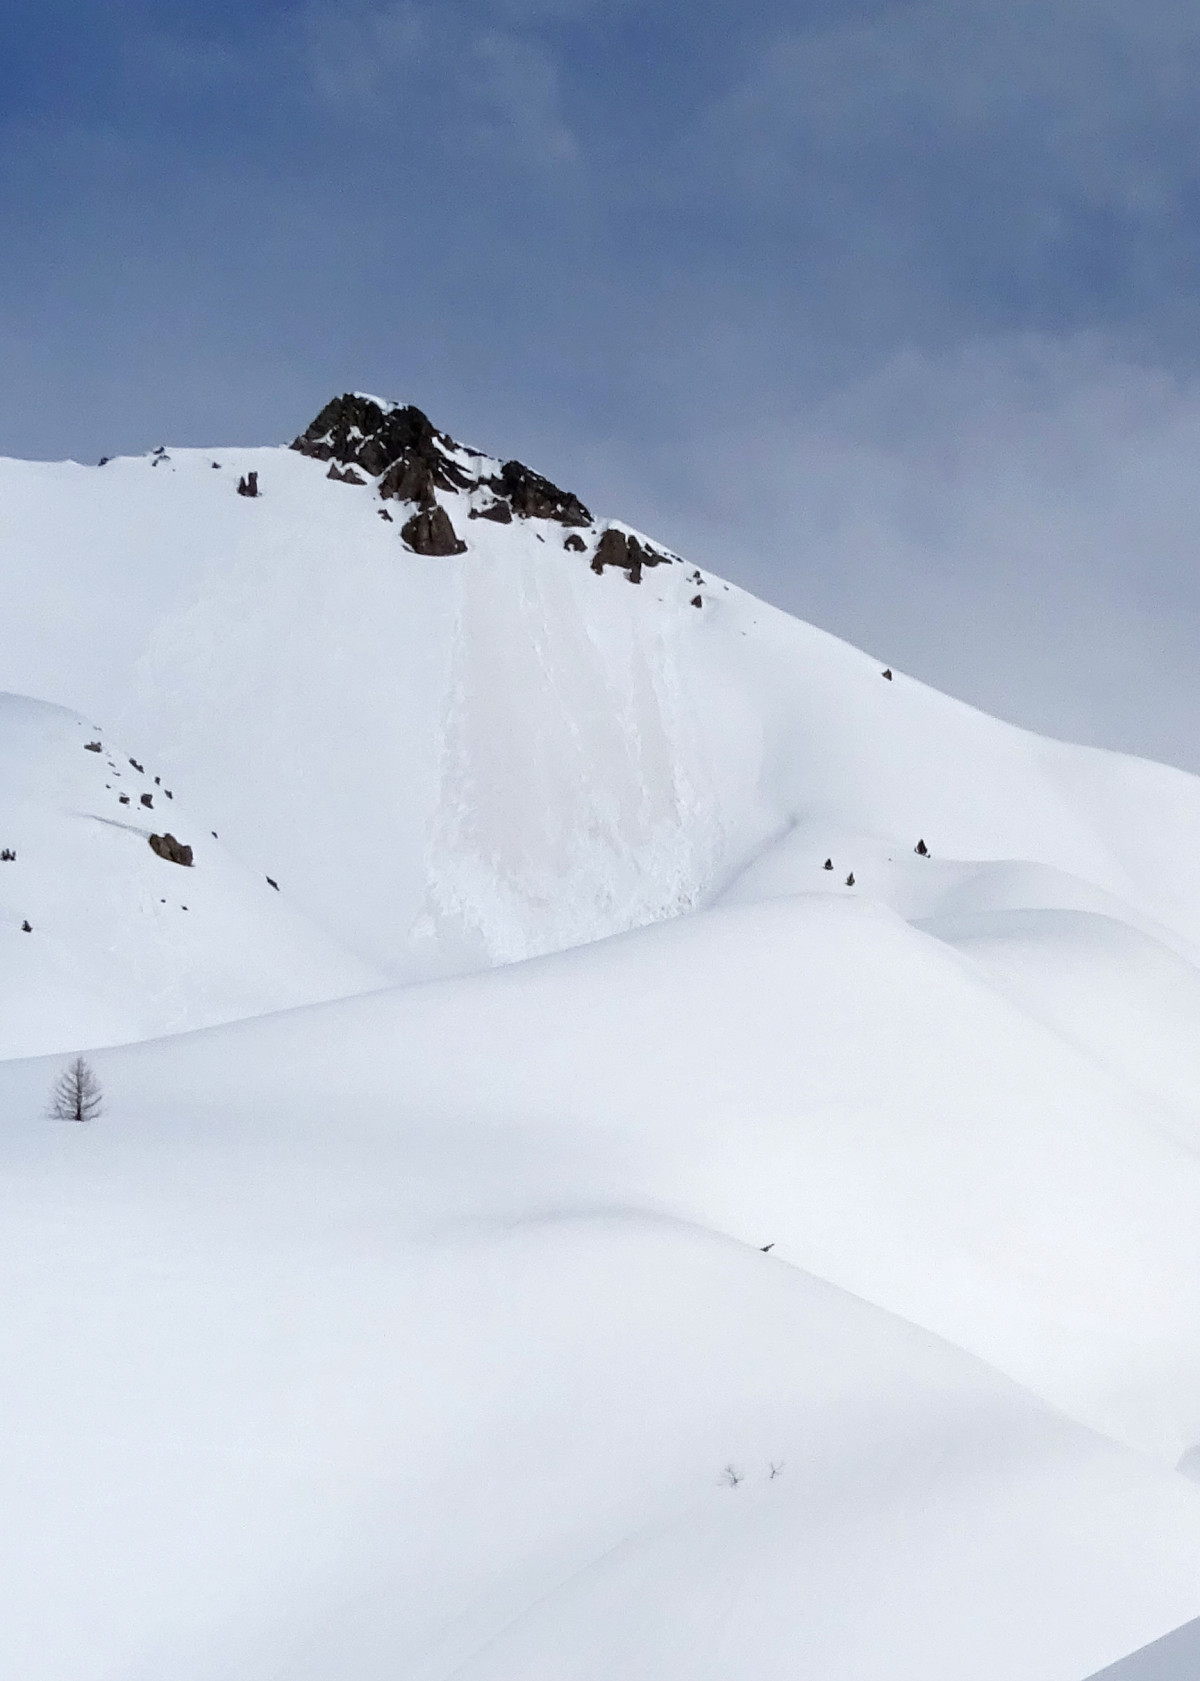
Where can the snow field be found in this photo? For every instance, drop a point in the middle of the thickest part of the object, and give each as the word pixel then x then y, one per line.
pixel 408 1337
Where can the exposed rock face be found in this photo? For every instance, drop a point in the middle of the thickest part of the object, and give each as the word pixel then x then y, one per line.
pixel 248 486
pixel 498 511
pixel 430 532
pixel 618 548
pixel 533 497
pixel 414 478
pixel 413 460
pixel 356 429
pixel 175 852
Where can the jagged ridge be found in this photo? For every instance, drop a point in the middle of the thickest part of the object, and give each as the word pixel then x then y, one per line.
pixel 400 446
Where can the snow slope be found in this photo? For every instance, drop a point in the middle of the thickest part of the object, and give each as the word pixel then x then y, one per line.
pixel 102 940
pixel 457 760
pixel 414 1335
pixel 411 1335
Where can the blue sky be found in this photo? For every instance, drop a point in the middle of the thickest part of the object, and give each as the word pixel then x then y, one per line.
pixel 887 310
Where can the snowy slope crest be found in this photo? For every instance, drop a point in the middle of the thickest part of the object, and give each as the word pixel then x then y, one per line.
pixel 553 731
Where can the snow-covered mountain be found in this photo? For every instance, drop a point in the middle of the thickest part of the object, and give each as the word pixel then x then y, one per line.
pixel 427 1333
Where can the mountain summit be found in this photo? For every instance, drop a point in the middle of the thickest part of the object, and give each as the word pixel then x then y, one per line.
pixel 398 445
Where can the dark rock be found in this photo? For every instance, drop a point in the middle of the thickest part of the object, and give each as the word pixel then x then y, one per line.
pixel 697 601
pixel 611 550
pixel 355 429
pixel 617 548
pixel 271 882
pixel 344 476
pixel 533 497
pixel 431 533
pixel 104 461
pixel 921 850
pixel 8 856
pixel 148 801
pixel 92 747
pixel 412 479
pixel 215 464
pixel 412 460
pixel 138 767
pixel 175 852
pixel 248 486
pixel 383 514
pixel 828 863
pixel 850 879
pixel 498 511
pixel 888 674
pixel 576 542
pixel 27 928
pixel 123 799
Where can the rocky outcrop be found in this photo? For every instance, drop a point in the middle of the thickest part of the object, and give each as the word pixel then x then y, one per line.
pixel 248 486
pixel 621 548
pixel 532 497
pixel 413 460
pixel 175 852
pixel 430 532
pixel 498 511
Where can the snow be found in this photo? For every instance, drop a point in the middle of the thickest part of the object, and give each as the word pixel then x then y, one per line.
pixel 123 944
pixel 410 1330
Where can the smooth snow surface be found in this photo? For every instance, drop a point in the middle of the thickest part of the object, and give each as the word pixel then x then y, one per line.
pixel 422 1331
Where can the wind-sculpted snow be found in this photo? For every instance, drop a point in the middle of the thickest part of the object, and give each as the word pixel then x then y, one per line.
pixel 793 1269
pixel 428 1334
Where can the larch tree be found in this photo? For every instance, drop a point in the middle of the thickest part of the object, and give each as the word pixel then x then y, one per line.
pixel 76 1095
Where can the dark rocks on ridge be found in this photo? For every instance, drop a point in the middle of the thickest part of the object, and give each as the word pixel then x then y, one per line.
pixel 533 497
pixel 430 532
pixel 618 548
pixel 498 511
pixel 413 460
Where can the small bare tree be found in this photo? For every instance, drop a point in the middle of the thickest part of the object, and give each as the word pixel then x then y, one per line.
pixel 76 1095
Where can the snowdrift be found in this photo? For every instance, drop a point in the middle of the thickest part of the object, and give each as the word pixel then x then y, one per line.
pixel 720 1190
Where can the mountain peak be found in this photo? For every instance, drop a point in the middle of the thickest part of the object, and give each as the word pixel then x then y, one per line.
pixel 399 445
